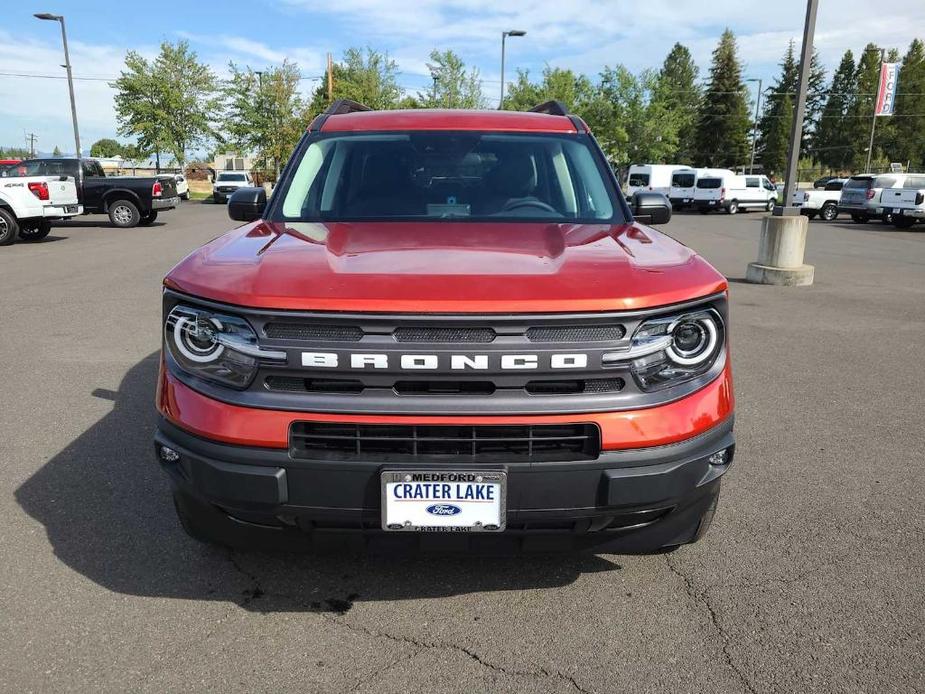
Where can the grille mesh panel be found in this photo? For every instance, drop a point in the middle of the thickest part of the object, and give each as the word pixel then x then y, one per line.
pixel 449 335
pixel 449 443
pixel 576 333
pixel 314 332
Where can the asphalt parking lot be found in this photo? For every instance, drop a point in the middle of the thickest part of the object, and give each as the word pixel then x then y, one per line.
pixel 811 578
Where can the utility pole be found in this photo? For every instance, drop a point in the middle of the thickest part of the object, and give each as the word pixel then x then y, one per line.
pixel 330 78
pixel 31 138
pixel 873 122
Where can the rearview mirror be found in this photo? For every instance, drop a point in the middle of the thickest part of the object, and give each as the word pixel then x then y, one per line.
pixel 651 208
pixel 247 204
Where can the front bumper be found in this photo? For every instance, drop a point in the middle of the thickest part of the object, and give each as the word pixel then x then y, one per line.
pixel 627 500
pixel 164 203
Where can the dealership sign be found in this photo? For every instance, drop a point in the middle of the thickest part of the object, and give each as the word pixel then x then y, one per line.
pixel 886 94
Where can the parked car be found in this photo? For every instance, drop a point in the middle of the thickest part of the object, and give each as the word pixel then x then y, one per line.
pixel 446 329
pixel 128 200
pixel 906 204
pixel 182 186
pixel 820 183
pixel 655 178
pixel 227 182
pixel 28 205
pixel 731 192
pixel 860 197
pixel 820 202
pixel 684 185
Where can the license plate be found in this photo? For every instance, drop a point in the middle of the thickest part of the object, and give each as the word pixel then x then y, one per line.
pixel 897 210
pixel 686 200
pixel 443 501
pixel 712 202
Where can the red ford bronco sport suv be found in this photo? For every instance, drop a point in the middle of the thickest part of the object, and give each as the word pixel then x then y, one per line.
pixel 446 330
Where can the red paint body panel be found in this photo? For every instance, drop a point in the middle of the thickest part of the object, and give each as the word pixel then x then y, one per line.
pixel 446 267
pixel 654 426
pixel 438 119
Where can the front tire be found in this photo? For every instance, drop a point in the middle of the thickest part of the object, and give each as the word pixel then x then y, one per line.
pixel 124 214
pixel 148 219
pixel 35 232
pixel 770 206
pixel 185 196
pixel 860 218
pixel 9 227
pixel 733 207
pixel 887 218
pixel 829 211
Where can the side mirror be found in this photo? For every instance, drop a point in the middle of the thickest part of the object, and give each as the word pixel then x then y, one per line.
pixel 651 208
pixel 247 204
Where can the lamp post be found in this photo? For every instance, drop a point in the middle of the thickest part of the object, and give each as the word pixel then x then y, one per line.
pixel 751 163
pixel 70 79
pixel 504 35
pixel 873 122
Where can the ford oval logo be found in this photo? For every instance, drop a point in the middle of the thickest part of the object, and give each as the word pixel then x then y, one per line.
pixel 443 510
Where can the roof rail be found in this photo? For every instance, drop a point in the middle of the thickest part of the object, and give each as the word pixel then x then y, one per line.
pixel 339 107
pixel 551 108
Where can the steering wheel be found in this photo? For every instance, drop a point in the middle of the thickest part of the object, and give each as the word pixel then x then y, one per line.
pixel 526 202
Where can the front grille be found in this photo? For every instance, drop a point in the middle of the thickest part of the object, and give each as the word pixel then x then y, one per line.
pixel 576 333
pixel 448 335
pixel 444 443
pixel 574 387
pixel 313 332
pixel 293 384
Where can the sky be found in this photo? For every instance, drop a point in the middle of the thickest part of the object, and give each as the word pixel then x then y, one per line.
pixel 584 35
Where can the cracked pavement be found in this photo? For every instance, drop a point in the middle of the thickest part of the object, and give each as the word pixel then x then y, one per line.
pixel 811 578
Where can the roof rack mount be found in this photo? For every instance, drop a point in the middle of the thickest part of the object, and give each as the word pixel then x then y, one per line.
pixel 339 107
pixel 553 107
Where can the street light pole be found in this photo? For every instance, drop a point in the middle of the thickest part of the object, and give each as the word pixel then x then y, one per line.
pixel 70 79
pixel 751 163
pixel 873 122
pixel 504 35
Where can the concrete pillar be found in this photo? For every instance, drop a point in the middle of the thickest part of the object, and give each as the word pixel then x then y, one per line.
pixel 780 253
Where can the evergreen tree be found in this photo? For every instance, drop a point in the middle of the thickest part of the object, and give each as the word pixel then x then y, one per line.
pixel 723 126
pixel 832 142
pixel 909 126
pixel 454 87
pixel 777 119
pixel 815 102
pixel 861 112
pixel 677 93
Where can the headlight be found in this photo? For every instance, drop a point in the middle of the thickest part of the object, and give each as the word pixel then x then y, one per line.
pixel 669 350
pixel 215 346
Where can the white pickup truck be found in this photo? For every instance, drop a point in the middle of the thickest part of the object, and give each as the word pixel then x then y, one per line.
pixel 820 202
pixel 29 204
pixel 906 204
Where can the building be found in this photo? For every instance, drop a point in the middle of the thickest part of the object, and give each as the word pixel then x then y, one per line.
pixel 233 161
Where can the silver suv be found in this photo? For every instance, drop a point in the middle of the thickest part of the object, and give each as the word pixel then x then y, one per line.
pixel 860 197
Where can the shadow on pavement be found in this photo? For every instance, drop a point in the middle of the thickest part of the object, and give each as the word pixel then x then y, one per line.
pixel 102 225
pixel 108 514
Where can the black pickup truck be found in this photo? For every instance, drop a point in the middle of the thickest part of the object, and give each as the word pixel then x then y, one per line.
pixel 128 200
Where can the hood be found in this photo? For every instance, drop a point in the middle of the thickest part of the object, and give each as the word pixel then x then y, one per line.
pixel 445 267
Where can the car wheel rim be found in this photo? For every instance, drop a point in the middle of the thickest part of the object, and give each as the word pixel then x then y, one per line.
pixel 4 228
pixel 122 214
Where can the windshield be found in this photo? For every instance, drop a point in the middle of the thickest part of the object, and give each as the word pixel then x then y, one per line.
pixel 448 175
pixel 685 180
pixel 710 183
pixel 231 177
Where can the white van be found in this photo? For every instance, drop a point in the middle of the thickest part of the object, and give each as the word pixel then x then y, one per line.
pixel 651 177
pixel 733 193
pixel 684 184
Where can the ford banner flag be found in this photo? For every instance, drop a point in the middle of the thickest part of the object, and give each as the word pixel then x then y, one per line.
pixel 886 94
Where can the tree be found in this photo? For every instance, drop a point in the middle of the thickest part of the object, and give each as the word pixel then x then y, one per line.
pixel 367 76
pixel 166 103
pixel 107 147
pixel 832 141
pixel 454 87
pixel 677 93
pixel 815 102
pixel 777 119
pixel 572 89
pixel 264 113
pixel 56 152
pixel 861 112
pixel 722 129
pixel 909 126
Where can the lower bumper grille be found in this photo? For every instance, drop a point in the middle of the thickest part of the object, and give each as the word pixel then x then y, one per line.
pixel 444 443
